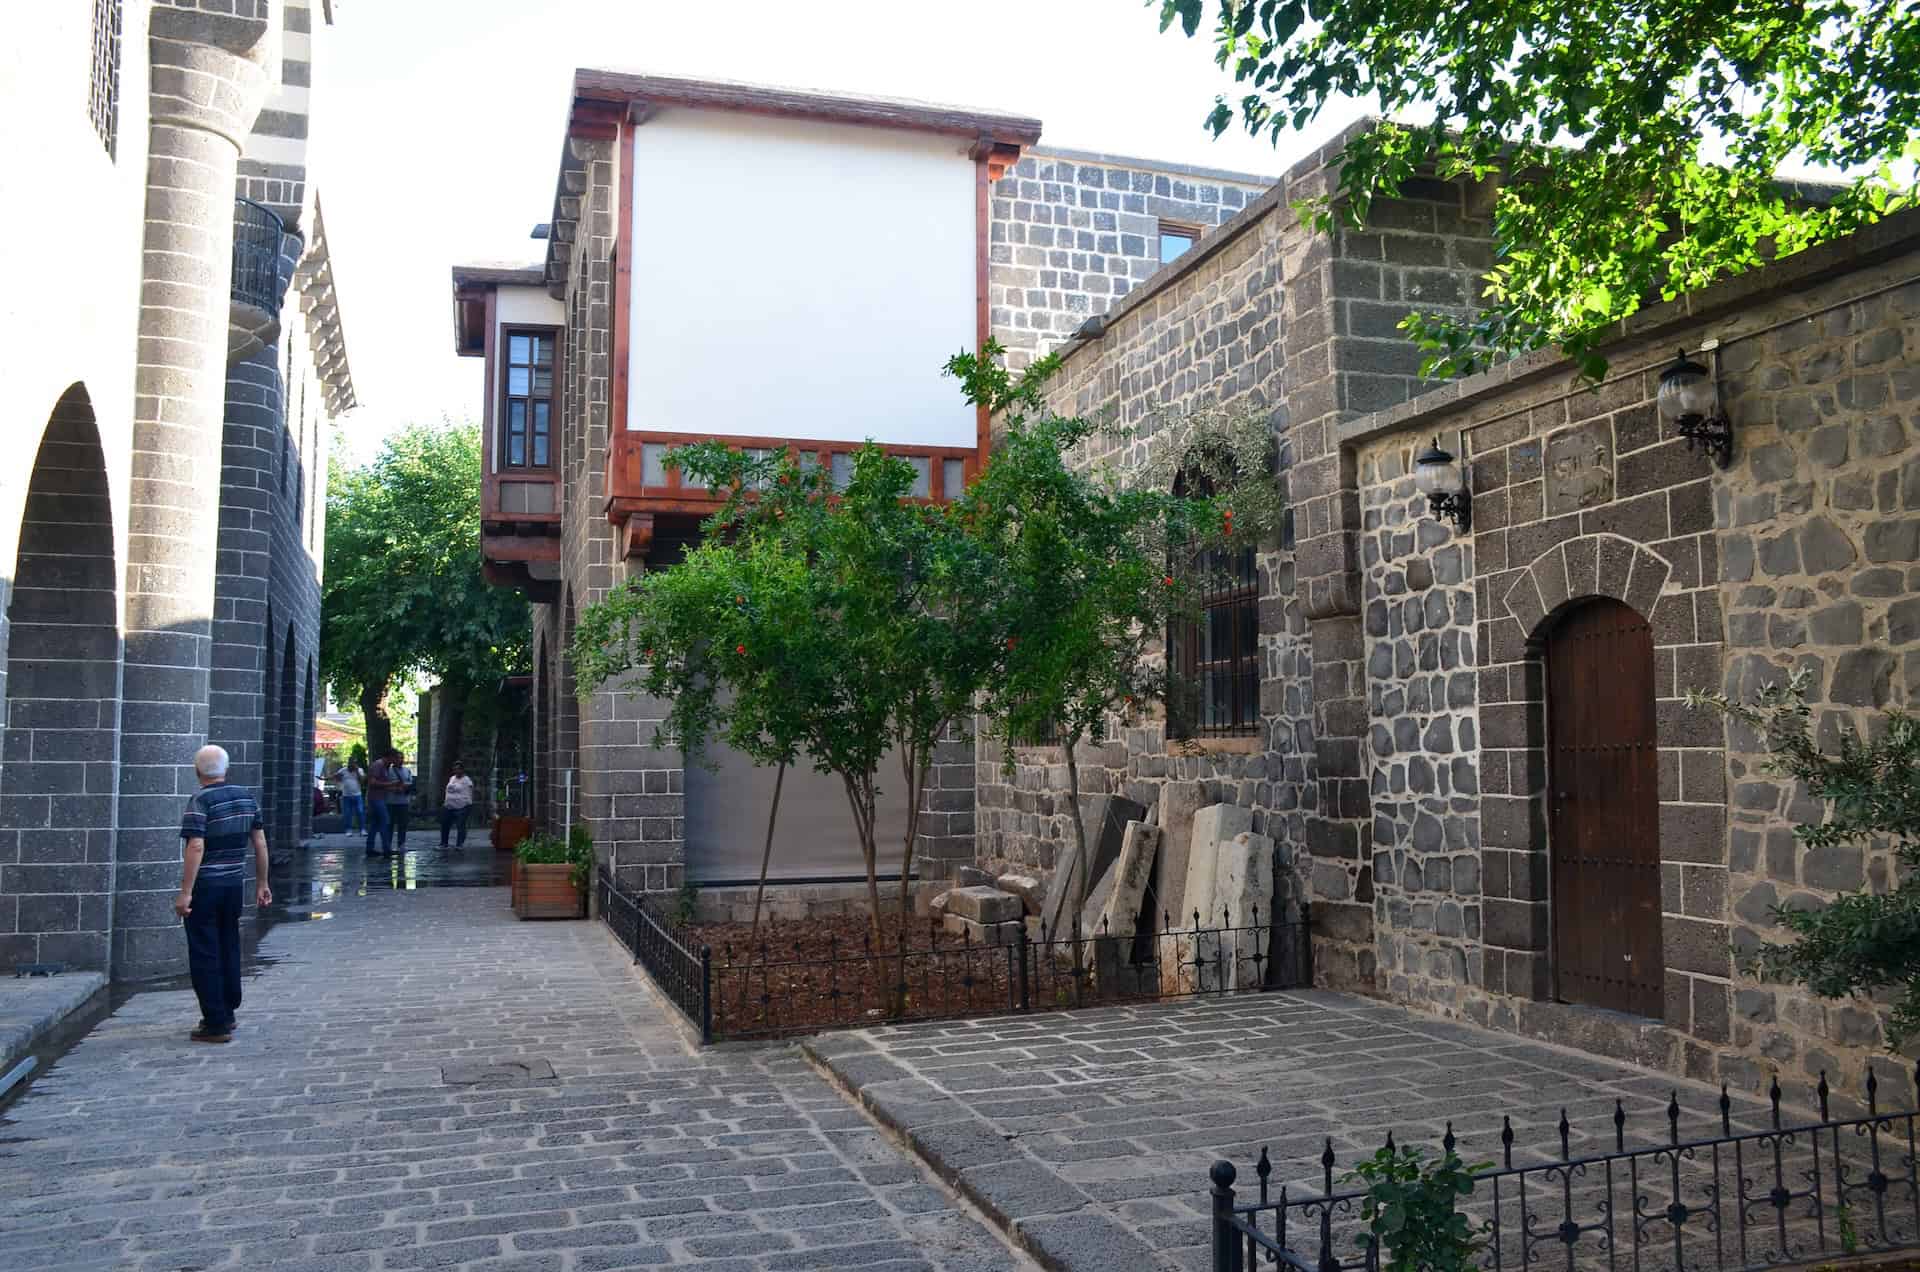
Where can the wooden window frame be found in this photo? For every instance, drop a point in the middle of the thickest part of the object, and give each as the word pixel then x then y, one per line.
pixel 503 462
pixel 1177 229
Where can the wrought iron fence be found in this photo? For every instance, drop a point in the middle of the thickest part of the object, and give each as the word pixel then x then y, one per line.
pixel 685 975
pixel 257 278
pixel 1743 1199
pixel 770 991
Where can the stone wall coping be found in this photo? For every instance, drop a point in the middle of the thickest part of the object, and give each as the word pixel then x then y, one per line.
pixel 1151 165
pixel 500 274
pixel 1894 236
pixel 1210 245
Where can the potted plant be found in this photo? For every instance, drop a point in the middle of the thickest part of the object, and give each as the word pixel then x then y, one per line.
pixel 551 875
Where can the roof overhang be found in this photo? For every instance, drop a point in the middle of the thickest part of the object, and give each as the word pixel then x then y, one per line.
pixel 471 286
pixel 604 101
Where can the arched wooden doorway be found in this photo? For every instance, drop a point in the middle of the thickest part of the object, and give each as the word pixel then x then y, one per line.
pixel 62 646
pixel 1603 809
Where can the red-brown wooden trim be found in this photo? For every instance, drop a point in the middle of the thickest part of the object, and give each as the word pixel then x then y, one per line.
pixel 491 345
pixel 593 88
pixel 982 326
pixel 595 120
pixel 622 283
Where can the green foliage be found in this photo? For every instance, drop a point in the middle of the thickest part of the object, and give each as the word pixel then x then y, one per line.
pixel 1411 1209
pixel 1635 145
pixel 1863 942
pixel 403 591
pixel 358 755
pixel 575 850
pixel 831 626
pixel 1081 583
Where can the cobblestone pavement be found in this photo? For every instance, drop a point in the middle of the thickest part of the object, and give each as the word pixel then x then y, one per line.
pixel 387 1104
pixel 1089 1134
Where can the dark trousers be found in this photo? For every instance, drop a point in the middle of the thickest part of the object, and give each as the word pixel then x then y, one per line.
pixel 450 818
pixel 213 948
pixel 379 826
pixel 401 814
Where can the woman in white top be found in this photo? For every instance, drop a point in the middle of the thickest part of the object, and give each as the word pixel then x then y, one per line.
pixel 353 804
pixel 456 805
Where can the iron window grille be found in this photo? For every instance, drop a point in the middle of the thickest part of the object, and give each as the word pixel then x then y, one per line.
pixel 526 429
pixel 103 96
pixel 1213 660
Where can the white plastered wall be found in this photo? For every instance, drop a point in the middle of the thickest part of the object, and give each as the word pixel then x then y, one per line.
pixel 793 278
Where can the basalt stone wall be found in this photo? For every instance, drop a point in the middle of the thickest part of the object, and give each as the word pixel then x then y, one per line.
pixel 1803 555
pixel 1071 233
pixel 1423 778
pixel 1267 316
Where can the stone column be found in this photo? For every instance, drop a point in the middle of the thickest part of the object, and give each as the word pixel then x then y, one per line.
pixel 237 701
pixel 210 73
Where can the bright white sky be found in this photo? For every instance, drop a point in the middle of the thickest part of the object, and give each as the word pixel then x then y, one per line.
pixel 438 127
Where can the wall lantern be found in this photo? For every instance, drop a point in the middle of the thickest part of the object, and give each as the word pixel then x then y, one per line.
pixel 1689 402
pixel 1439 477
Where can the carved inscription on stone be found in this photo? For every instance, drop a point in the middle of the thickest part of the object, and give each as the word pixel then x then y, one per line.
pixel 1579 469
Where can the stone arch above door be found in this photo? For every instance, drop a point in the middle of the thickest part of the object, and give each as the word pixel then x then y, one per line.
pixel 1679 597
pixel 1578 569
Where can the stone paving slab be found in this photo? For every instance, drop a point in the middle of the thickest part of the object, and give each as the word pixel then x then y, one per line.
pixel 327 1138
pixel 1088 1134
pixel 31 1007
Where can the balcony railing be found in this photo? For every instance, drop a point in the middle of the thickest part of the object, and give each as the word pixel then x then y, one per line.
pixel 259 277
pixel 641 486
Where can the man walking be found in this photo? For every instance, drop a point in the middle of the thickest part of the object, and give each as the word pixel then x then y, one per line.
pixel 220 822
pixel 380 783
pixel 456 804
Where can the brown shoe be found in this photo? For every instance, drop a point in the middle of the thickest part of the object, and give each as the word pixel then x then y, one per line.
pixel 204 1034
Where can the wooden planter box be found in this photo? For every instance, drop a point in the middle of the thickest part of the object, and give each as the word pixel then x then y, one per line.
pixel 509 830
pixel 547 892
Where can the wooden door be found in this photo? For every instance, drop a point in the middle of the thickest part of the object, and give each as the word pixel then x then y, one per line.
pixel 1604 810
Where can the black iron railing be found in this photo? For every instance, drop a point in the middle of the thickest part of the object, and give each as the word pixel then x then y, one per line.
pixel 1739 1200
pixel 683 974
pixel 257 277
pixel 775 991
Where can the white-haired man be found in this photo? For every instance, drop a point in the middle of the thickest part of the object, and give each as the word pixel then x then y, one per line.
pixel 221 820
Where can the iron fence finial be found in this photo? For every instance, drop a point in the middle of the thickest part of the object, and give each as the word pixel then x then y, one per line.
pixel 1773 1094
pixel 1673 1116
pixel 1565 1131
pixel 1822 1089
pixel 1447 1142
pixel 1726 1109
pixel 1506 1139
pixel 1619 1126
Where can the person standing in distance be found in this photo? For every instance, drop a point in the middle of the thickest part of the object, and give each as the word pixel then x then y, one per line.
pixel 221 820
pixel 456 805
pixel 379 790
pixel 400 801
pixel 353 805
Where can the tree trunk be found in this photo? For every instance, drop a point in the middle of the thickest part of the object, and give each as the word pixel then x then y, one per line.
pixel 373 707
pixel 860 794
pixel 1081 865
pixel 766 853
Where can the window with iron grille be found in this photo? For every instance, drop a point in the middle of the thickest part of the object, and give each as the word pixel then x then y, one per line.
pixel 103 100
pixel 526 422
pixel 1213 658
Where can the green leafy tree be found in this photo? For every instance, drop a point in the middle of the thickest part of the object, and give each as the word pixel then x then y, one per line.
pixel 1864 942
pixel 403 590
pixel 835 625
pixel 1636 145
pixel 1082 583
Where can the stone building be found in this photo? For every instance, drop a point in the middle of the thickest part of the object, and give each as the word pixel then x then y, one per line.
pixel 628 337
pixel 175 341
pixel 1470 742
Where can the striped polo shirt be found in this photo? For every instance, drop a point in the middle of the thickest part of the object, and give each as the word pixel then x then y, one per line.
pixel 225 816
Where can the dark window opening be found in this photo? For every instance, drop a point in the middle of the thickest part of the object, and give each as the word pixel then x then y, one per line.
pixel 1175 240
pixel 1213 658
pixel 103 96
pixel 526 417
